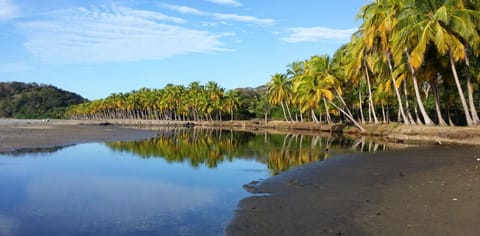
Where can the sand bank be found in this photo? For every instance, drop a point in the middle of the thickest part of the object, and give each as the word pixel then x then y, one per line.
pixel 420 191
pixel 25 134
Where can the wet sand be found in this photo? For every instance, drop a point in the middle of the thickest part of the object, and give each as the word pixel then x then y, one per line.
pixel 25 134
pixel 421 191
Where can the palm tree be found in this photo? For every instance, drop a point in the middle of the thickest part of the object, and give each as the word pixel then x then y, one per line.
pixel 379 19
pixel 358 68
pixel 279 91
pixel 215 94
pixel 232 102
pixel 422 23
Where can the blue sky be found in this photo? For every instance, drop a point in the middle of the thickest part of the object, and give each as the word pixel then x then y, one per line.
pixel 99 47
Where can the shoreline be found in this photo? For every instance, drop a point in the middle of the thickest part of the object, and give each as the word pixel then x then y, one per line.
pixel 393 132
pixel 18 135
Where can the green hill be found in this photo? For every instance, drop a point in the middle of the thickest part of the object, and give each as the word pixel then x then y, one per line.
pixel 32 100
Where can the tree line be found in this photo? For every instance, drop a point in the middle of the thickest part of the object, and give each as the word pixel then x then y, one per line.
pixel 414 62
pixel 195 102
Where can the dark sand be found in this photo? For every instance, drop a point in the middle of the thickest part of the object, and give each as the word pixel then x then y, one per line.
pixel 424 191
pixel 26 134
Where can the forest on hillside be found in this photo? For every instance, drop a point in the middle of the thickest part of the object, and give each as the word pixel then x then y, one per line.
pixel 412 62
pixel 32 100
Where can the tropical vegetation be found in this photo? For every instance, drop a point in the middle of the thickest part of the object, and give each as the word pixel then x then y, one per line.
pixel 414 62
pixel 195 102
pixel 31 100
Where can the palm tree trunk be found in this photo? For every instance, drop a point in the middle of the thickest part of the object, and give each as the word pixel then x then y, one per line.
pixel 383 114
pixel 284 113
pixel 473 110
pixel 314 117
pixel 329 120
pixel 349 117
pixel 399 98
pixel 361 106
pixel 419 121
pixel 460 91
pixel 343 101
pixel 288 111
pixel 370 97
pixel 436 98
pixel 426 118
pixel 407 105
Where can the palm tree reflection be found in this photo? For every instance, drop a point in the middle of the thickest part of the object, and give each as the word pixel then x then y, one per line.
pixel 210 147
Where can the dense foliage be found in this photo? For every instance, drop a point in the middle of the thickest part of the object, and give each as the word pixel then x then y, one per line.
pixel 414 62
pixel 177 102
pixel 31 100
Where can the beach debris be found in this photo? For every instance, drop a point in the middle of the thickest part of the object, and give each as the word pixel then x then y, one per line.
pixel 379 214
pixel 454 199
pixel 478 159
pixel 252 186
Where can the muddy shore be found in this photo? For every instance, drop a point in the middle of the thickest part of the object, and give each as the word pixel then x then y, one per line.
pixel 419 191
pixel 16 135
pixel 430 190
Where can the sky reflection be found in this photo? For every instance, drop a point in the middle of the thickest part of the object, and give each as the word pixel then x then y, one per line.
pixel 185 182
pixel 89 189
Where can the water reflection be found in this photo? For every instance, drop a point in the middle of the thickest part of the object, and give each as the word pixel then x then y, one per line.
pixel 42 151
pixel 184 182
pixel 90 190
pixel 210 147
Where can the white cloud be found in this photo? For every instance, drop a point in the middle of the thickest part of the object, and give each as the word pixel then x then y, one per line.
pixel 184 9
pixel 113 34
pixel 7 10
pixel 226 2
pixel 220 16
pixel 314 34
pixel 240 18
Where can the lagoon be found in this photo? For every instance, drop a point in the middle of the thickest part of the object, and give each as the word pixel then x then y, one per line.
pixel 183 182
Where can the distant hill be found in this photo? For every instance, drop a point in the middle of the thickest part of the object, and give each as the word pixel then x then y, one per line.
pixel 32 100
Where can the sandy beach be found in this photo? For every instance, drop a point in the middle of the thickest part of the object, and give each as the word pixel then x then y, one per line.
pixel 428 190
pixel 418 191
pixel 26 134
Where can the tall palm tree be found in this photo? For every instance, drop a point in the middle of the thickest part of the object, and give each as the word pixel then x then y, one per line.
pixel 215 94
pixel 232 102
pixel 379 19
pixel 358 68
pixel 279 91
pixel 422 23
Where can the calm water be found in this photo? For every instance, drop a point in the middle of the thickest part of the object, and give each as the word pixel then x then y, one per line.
pixel 184 182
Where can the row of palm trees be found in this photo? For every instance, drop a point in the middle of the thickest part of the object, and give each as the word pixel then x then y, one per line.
pixel 174 102
pixel 406 53
pixel 413 61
